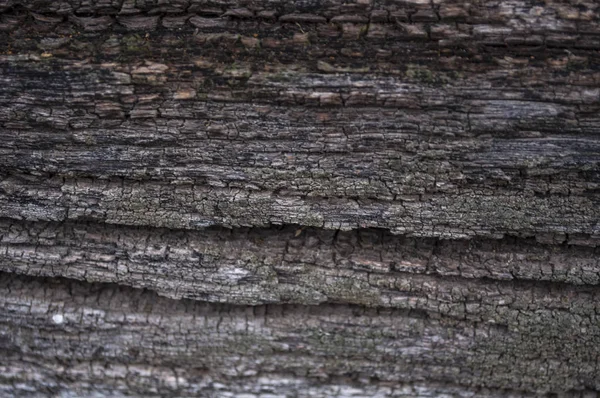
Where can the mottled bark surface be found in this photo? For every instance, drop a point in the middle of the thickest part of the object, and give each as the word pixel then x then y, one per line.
pixel 314 198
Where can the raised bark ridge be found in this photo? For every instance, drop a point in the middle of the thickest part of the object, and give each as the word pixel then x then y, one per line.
pixel 333 198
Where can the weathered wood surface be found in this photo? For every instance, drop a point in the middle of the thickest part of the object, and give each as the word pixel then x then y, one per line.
pixel 183 127
pixel 306 266
pixel 120 339
pixel 320 198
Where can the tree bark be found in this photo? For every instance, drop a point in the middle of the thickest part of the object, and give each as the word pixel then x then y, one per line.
pixel 317 198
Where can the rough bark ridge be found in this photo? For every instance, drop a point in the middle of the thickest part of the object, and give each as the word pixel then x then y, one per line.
pixel 315 198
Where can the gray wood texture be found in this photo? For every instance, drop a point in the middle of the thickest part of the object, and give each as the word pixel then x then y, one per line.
pixel 318 198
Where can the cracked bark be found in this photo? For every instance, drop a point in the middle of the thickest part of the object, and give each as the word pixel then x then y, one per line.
pixel 367 198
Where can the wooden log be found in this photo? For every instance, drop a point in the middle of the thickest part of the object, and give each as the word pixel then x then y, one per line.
pixel 274 198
